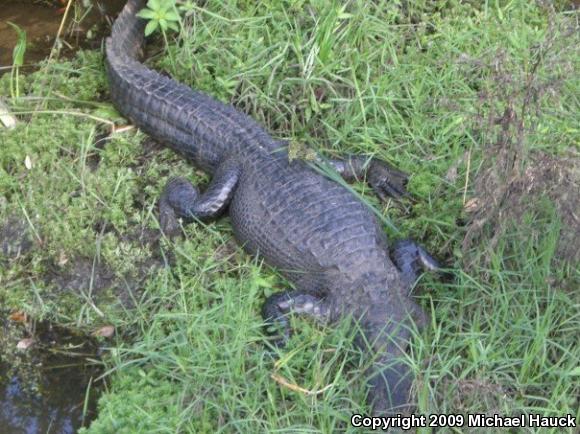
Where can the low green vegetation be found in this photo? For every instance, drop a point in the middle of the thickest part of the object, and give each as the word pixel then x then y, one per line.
pixel 477 100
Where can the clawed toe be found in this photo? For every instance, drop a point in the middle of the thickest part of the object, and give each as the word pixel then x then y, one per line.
pixel 410 258
pixel 387 181
pixel 168 221
pixel 177 193
pixel 278 306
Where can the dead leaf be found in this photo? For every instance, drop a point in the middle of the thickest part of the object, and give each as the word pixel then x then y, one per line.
pixel 25 343
pixel 451 174
pixel 472 205
pixel 105 331
pixel 62 258
pixel 18 316
pixel 6 119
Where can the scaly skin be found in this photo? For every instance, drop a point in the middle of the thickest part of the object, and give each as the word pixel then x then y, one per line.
pixel 325 241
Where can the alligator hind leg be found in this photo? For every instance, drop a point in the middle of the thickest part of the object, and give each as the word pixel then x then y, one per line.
pixel 180 199
pixel 410 258
pixel 384 179
pixel 278 306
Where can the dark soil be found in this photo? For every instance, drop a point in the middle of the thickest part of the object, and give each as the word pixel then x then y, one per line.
pixel 15 239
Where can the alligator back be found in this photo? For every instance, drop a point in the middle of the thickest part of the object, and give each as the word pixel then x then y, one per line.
pixel 314 230
pixel 198 126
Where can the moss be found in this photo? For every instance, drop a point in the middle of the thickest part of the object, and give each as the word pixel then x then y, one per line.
pixel 131 409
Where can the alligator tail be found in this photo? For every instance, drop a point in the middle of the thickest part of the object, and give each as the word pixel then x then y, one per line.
pixel 126 40
pixel 390 381
pixel 168 111
pixel 192 123
pixel 390 377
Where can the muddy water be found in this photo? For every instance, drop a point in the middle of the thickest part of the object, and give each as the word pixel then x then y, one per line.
pixel 41 20
pixel 43 388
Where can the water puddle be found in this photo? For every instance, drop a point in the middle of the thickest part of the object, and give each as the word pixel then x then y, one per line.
pixel 47 384
pixel 41 19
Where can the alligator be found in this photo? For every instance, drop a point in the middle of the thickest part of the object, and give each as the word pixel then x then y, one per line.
pixel 318 234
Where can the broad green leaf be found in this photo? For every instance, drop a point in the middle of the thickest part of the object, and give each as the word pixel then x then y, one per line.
pixel 172 15
pixel 153 4
pixel 147 14
pixel 151 27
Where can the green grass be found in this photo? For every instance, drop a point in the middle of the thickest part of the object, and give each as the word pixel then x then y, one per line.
pixel 419 87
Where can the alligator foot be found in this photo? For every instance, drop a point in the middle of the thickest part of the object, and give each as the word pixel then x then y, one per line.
pixel 181 199
pixel 278 306
pixel 385 180
pixel 176 192
pixel 410 258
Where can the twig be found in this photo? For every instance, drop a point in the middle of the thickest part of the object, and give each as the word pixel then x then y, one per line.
pixel 467 176
pixel 282 381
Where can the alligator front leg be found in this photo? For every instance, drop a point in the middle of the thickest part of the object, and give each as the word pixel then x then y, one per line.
pixel 278 306
pixel 181 199
pixel 410 258
pixel 385 179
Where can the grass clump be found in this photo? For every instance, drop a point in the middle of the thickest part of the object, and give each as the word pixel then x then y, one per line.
pixel 465 97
